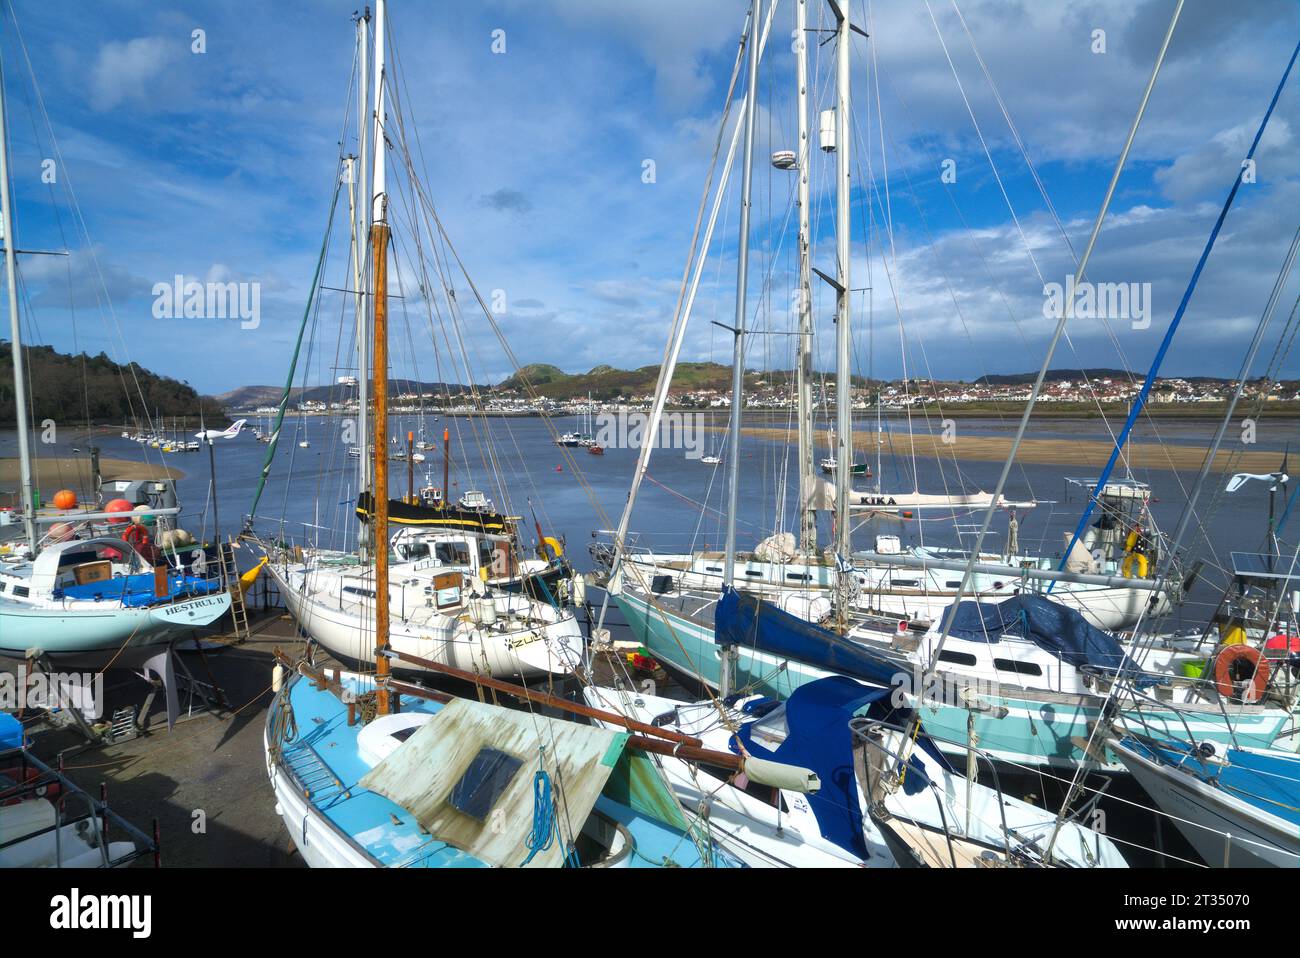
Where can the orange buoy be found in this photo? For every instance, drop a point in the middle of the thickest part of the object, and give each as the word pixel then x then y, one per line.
pixel 1283 643
pixel 65 499
pixel 1241 673
pixel 119 505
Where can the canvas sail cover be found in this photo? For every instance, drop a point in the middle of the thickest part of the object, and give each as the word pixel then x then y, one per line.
pixel 1062 631
pixel 467 777
pixel 747 621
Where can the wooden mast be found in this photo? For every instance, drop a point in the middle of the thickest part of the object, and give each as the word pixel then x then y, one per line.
pixel 379 494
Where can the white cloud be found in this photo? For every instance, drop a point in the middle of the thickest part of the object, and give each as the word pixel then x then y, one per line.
pixel 127 70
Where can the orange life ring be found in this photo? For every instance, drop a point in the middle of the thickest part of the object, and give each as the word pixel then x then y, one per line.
pixel 136 535
pixel 1229 662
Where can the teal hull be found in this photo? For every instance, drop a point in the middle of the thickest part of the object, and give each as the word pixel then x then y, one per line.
pixel 96 638
pixel 1038 729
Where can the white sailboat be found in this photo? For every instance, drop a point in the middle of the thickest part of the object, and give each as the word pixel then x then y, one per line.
pixel 442 609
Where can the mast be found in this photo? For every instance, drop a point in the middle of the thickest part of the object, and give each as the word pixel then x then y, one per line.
pixel 843 342
pixel 15 332
pixel 804 372
pixel 361 229
pixel 379 243
pixel 738 352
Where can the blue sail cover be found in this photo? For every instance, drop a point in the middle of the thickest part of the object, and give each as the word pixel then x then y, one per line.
pixel 1054 628
pixel 817 719
pixel 747 621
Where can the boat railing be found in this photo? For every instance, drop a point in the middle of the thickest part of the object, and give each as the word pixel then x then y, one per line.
pixel 861 728
pixel 33 779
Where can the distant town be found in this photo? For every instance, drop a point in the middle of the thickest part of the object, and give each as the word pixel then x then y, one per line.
pixel 774 392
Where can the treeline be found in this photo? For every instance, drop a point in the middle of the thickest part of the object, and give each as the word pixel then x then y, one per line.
pixel 74 389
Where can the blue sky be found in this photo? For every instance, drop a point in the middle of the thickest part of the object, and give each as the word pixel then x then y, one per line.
pixel 220 165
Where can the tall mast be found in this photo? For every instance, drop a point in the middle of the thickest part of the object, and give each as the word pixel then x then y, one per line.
pixel 15 333
pixel 804 372
pixel 738 352
pixel 379 244
pixel 843 341
pixel 361 230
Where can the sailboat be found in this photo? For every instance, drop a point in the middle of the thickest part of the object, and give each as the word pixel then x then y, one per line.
pixel 437 781
pixel 73 595
pixel 913 584
pixel 861 614
pixel 444 606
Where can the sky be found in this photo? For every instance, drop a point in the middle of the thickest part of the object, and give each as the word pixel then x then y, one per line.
pixel 535 122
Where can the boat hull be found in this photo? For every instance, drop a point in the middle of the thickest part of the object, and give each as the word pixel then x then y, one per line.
pixel 95 639
pixel 1226 832
pixel 553 649
pixel 1039 728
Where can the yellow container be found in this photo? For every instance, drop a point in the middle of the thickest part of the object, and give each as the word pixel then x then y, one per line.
pixel 1232 635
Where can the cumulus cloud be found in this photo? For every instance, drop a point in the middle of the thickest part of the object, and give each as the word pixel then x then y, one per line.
pixel 127 70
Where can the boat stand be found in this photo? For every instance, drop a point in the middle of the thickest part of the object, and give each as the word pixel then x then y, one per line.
pixel 168 673
pixel 38 662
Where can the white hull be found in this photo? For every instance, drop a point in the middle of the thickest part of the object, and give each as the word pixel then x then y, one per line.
pixel 550 644
pixel 317 840
pixel 918 595
pixel 1225 831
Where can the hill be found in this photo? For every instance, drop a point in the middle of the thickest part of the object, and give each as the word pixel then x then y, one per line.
pixel 251 397
pixel 71 389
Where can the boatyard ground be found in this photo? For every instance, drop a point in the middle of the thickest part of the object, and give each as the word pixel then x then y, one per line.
pixel 205 780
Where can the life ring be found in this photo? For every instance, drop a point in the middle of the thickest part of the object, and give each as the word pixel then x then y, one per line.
pixel 554 545
pixel 1230 677
pixel 1134 558
pixel 136 535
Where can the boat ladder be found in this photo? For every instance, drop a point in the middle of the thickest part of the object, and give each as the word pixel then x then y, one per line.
pixel 230 576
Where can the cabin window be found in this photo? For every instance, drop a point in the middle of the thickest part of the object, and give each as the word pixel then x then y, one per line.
pixel 21 591
pixel 453 553
pixel 753 574
pixel 1020 668
pixel 357 590
pixel 906 583
pixel 957 658
pixel 486 778
pixel 798 576
pixel 416 550
pixel 952 584
pixel 713 568
pixel 3 586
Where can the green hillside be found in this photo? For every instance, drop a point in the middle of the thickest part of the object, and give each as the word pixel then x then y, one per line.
pixel 72 389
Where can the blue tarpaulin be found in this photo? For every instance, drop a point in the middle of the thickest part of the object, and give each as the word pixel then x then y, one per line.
pixel 747 621
pixel 1054 628
pixel 135 591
